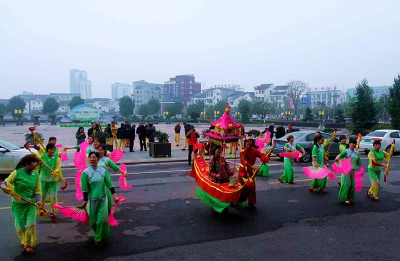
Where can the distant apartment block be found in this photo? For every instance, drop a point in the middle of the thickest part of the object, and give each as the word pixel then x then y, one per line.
pixel 80 84
pixel 323 97
pixel 378 92
pixel 119 90
pixel 181 87
pixel 262 92
pixel 144 91
pixel 212 96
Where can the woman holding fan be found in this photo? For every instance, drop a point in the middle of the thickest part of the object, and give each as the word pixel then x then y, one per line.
pixel 318 158
pixel 376 157
pixel 288 163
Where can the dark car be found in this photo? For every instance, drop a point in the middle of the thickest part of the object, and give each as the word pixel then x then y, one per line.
pixel 305 139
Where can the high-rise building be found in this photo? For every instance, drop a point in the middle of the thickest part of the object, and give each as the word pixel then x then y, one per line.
pixel 144 91
pixel 119 90
pixel 80 84
pixel 182 87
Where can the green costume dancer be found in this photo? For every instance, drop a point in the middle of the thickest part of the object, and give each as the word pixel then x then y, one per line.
pixel 318 154
pixel 376 157
pixel 348 182
pixel 288 163
pixel 95 181
pixel 25 182
pixel 49 180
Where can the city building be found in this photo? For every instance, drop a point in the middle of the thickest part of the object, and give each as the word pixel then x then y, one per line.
pixel 144 91
pixel 182 87
pixel 378 92
pixel 80 84
pixel 235 87
pixel 63 96
pixel 275 95
pixel 119 90
pixel 323 97
pixel 262 91
pixel 236 97
pixel 212 96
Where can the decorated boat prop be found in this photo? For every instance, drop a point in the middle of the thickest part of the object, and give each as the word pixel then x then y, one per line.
pixel 219 196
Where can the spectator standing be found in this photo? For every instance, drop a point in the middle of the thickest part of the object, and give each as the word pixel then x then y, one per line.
pixel 280 131
pixel 187 128
pixel 177 136
pixel 121 136
pixel 141 132
pixel 150 132
pixel 290 129
pixel 114 129
pixel 127 127
pixel 192 137
pixel 131 137
pixel 80 137
pixel 271 129
pixel 93 130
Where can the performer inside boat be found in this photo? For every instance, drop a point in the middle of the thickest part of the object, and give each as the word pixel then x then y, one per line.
pixel 220 172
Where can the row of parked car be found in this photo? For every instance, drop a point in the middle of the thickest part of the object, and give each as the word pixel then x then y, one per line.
pixel 10 154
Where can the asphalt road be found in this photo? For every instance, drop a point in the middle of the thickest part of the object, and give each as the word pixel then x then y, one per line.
pixel 162 219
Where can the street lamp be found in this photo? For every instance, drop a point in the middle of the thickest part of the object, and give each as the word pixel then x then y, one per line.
pixel 18 113
pixel 321 113
pixel 237 114
pixel 203 113
pixel 215 114
pixel 287 113
pixel 166 116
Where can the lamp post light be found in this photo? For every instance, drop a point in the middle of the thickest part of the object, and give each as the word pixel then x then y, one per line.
pixel 321 114
pixel 203 115
pixel 215 115
pixel 287 113
pixel 237 114
pixel 18 113
pixel 166 113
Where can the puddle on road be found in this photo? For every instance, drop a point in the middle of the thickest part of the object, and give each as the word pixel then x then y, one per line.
pixel 140 231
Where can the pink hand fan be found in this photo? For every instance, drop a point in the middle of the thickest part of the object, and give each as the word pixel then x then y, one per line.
pixel 64 156
pixel 359 181
pixel 260 142
pixel 84 146
pixel 342 166
pixel 294 154
pixel 122 179
pixel 315 173
pixel 111 219
pixel 78 214
pixel 116 155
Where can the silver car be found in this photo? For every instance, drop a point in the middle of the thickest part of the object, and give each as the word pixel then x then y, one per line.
pixel 10 154
pixel 305 139
pixel 386 137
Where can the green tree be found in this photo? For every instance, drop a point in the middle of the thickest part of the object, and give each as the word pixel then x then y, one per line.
pixel 174 108
pixel 260 108
pixel 363 110
pixel 75 101
pixel 3 110
pixel 126 106
pixel 144 110
pixel 16 103
pixel 221 105
pixel 244 108
pixel 339 115
pixel 393 103
pixel 309 115
pixel 194 110
pixel 50 106
pixel 154 106
pixel 210 111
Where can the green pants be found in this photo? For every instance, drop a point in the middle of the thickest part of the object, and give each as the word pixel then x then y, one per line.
pixel 52 189
pixel 375 177
pixel 318 183
pixel 25 223
pixel 98 215
pixel 347 188
pixel 288 172
pixel 264 170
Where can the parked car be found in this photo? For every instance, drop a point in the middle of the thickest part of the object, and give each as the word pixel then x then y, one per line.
pixel 10 154
pixel 306 139
pixel 386 137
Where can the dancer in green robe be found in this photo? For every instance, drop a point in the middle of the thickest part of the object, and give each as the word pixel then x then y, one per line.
pixel 376 157
pixel 288 163
pixel 348 182
pixel 318 158
pixel 49 180
pixel 343 143
pixel 25 182
pixel 42 150
pixel 95 181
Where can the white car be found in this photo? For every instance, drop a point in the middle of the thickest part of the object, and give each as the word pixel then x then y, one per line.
pixel 386 137
pixel 10 154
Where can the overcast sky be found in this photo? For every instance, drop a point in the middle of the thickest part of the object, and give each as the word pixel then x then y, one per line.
pixel 324 43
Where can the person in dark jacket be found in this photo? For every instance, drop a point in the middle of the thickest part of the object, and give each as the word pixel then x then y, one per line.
pixel 141 132
pixel 271 129
pixel 93 130
pixel 80 137
pixel 187 128
pixel 131 137
pixel 280 131
pixel 121 136
pixel 192 137
pixel 150 132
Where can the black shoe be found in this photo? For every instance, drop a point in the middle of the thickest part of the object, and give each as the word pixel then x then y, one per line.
pixel 183 149
pixel 141 150
pixel 252 206
pixel 145 150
